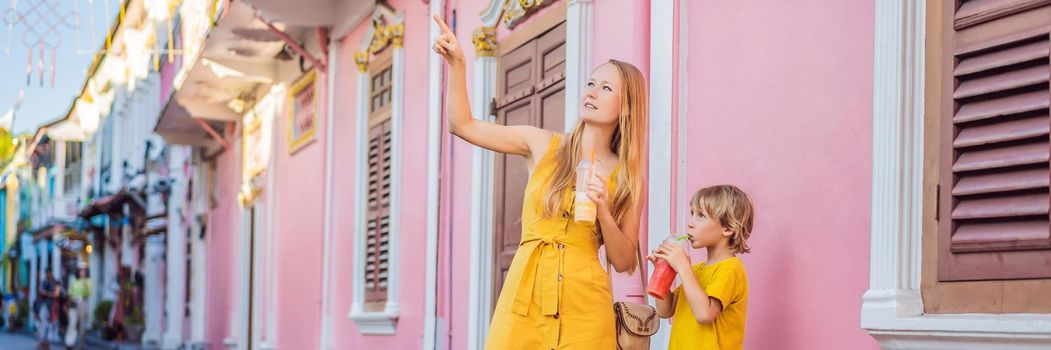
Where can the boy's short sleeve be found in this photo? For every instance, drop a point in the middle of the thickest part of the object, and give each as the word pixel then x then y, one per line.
pixel 724 283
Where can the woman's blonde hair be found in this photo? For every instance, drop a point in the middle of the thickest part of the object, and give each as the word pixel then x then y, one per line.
pixel 730 207
pixel 628 143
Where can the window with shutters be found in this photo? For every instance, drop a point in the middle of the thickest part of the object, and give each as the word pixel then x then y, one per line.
pixel 378 184
pixel 988 82
pixel 73 167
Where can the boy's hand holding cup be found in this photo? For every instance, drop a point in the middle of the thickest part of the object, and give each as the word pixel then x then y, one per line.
pixel 668 259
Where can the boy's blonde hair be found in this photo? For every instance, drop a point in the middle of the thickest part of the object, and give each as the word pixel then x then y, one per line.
pixel 730 207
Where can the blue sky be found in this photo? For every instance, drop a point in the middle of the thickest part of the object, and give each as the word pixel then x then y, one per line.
pixel 45 103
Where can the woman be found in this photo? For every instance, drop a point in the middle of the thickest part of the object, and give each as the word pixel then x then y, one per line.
pixel 556 294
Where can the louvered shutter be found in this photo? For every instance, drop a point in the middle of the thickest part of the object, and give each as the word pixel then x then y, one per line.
pixel 377 215
pixel 995 147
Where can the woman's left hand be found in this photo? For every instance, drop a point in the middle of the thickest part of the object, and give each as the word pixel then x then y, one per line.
pixel 597 193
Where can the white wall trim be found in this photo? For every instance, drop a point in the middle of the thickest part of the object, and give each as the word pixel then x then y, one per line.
pixel 258 269
pixel 434 131
pixel 491 15
pixel 198 302
pixel 175 292
pixel 481 269
pixel 383 322
pixel 579 26
pixel 682 139
pixel 272 313
pixel 325 342
pixel 240 337
pixel 660 166
pixel 892 310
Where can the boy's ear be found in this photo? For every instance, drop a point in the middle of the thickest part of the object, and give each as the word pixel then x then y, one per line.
pixel 727 232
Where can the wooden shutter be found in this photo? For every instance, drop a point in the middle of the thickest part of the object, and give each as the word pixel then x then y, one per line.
pixel 530 91
pixel 377 215
pixel 995 146
pixel 378 191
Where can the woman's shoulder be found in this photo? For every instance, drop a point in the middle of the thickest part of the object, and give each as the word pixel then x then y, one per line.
pixel 546 141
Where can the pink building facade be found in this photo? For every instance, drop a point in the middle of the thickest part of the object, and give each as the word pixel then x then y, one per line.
pixel 344 216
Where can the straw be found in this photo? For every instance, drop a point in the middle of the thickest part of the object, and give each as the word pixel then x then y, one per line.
pixel 591 160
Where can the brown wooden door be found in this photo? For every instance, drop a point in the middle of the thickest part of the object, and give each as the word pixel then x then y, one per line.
pixel 530 91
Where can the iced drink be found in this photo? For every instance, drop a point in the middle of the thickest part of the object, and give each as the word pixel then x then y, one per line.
pixel 583 206
pixel 660 281
pixel 663 274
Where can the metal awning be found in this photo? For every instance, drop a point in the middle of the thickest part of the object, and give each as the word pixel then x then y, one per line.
pixel 237 63
pixel 313 13
pixel 111 203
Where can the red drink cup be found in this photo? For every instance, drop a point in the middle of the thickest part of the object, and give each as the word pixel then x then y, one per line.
pixel 660 281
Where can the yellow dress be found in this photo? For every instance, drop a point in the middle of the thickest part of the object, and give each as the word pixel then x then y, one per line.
pixel 556 294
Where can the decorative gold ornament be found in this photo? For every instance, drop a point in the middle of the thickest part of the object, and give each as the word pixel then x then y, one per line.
pixel 517 11
pixel 362 60
pixel 384 35
pixel 484 39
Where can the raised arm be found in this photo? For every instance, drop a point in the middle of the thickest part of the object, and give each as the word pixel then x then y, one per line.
pixel 516 139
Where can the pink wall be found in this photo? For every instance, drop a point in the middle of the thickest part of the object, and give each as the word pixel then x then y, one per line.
pixel 297 242
pixel 298 209
pixel 412 242
pixel 223 244
pixel 455 282
pixel 617 23
pixel 345 148
pixel 782 109
pixel 812 142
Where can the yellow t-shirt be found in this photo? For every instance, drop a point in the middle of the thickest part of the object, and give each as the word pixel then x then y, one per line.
pixel 724 280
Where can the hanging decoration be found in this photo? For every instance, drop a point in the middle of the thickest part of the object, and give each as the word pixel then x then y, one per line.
pixel 42 23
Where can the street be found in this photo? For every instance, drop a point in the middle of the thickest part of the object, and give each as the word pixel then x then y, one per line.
pixel 16 341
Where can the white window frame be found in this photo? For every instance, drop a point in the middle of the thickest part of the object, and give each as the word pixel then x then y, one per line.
pixel 378 322
pixel 892 310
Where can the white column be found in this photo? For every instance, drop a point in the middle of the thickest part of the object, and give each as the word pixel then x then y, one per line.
pixel 56 257
pixel 127 254
pixel 397 146
pixel 897 190
pixel 58 200
pixel 357 306
pixel 269 264
pixel 660 197
pixel 42 263
pixel 197 299
pixel 29 254
pixel 327 265
pixel 41 248
pixel 434 118
pixel 110 268
pixel 481 210
pixel 175 298
pixel 153 294
pixel 199 291
pixel 95 272
pixel 579 25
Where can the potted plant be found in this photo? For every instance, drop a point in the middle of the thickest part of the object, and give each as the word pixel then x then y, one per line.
pixel 134 326
pixel 102 311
